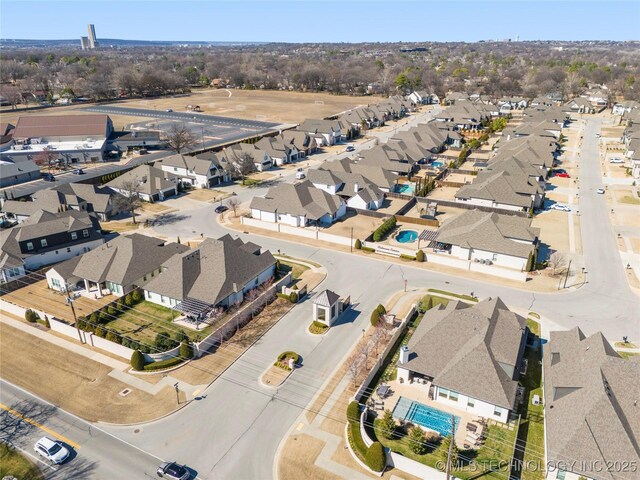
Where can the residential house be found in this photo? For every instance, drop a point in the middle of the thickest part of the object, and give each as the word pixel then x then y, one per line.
pixel 6 135
pixel 510 190
pixel 298 205
pixel 453 98
pixel 331 131
pixel 507 104
pixel 302 141
pixel 503 240
pixel 375 175
pixel 149 183
pixel 422 97
pixel 389 158
pixel 21 171
pixel 280 151
pixel 232 157
pixel 579 105
pixel 351 187
pixel 117 267
pixel 591 408
pixel 468 357
pixel 218 273
pixel 46 238
pixel 625 107
pixel 543 101
pixel 199 171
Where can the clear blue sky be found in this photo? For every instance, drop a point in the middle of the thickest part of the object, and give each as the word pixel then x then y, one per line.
pixel 326 21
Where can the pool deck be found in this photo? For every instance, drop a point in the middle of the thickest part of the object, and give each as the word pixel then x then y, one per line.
pixel 420 393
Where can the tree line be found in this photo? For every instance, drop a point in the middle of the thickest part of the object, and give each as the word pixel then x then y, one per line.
pixel 493 68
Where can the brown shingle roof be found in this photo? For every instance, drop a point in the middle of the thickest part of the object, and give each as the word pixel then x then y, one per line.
pixel 61 126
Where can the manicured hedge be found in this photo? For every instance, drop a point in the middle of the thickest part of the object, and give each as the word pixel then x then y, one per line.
pixel 357 443
pixel 420 256
pixel 137 360
pixel 375 458
pixel 161 365
pixel 368 249
pixel 407 257
pixel 353 412
pixel 388 225
pixel 318 328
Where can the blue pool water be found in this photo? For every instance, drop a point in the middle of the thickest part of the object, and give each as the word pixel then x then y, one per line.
pixel 437 163
pixel 425 416
pixel 407 236
pixel 406 188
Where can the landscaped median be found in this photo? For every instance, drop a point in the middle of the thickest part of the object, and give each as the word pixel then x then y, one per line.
pixel 282 368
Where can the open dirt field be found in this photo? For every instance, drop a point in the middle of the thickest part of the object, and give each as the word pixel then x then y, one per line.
pixel 443 193
pixel 362 226
pixel 75 383
pixel 269 106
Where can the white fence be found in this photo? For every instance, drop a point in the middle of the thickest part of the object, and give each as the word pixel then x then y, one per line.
pixel 314 233
pixel 494 270
pixel 394 338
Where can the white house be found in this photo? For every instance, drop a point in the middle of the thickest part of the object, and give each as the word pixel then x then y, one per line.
pixel 503 240
pixel 218 273
pixel 351 187
pixel 149 183
pixel 232 156
pixel 200 171
pixel 298 205
pixel 332 131
pixel 467 357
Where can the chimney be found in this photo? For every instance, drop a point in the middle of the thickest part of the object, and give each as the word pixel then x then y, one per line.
pixel 404 354
pixel 356 187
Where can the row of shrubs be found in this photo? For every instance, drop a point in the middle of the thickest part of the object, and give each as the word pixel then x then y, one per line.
pixel 374 456
pixel 283 362
pixel 377 314
pixel 139 363
pixel 318 328
pixel 386 227
pixel 293 297
pixel 109 312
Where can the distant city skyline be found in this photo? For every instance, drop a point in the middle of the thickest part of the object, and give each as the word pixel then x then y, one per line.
pixel 329 21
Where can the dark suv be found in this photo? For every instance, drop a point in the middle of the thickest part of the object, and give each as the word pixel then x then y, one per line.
pixel 48 177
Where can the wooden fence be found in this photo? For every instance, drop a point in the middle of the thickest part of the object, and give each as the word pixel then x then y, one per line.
pixel 468 206
pixel 418 221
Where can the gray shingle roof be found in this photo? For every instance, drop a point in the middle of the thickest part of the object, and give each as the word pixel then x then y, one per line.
pixel 300 199
pixel 463 349
pixel 126 259
pixel 326 298
pixel 591 406
pixel 211 272
pixel 200 164
pixel 151 180
pixel 490 232
pixel 505 187
pixel 375 175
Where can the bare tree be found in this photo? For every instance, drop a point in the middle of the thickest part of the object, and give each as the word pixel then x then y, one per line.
pixel 558 263
pixel 233 203
pixel 246 165
pixel 46 158
pixel 180 139
pixel 129 200
pixel 355 366
pixel 380 335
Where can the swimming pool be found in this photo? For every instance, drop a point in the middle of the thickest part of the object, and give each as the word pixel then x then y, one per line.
pixel 407 236
pixel 425 416
pixel 437 163
pixel 406 188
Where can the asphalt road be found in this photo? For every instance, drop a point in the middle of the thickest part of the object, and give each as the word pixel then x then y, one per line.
pixel 182 117
pixel 95 453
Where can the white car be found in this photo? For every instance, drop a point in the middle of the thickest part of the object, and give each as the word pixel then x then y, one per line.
pixel 562 208
pixel 53 451
pixel 600 191
pixel 616 160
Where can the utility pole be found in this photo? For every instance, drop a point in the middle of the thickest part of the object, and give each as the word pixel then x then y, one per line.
pixel 73 312
pixel 450 453
pixel 567 275
pixel 351 240
pixel 177 392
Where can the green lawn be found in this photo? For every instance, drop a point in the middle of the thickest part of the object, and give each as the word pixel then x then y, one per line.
pixel 497 449
pixel 13 463
pixel 533 326
pixel 281 256
pixel 144 321
pixel 295 268
pixel 467 298
pixel 627 355
pixel 531 432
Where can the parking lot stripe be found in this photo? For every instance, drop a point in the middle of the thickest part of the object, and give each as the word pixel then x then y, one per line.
pixel 40 426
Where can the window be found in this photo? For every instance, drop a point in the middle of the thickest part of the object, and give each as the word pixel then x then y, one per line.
pixel 29 245
pixel 68 249
pixel 43 242
pixel 55 282
pixel 74 235
pixel 471 403
pixel 85 233
pixel 162 298
pixel 453 396
pixel 175 169
pixel 495 257
pixel 322 314
pixel 497 411
pixel 443 392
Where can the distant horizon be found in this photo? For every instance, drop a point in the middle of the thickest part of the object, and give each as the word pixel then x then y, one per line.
pixel 310 21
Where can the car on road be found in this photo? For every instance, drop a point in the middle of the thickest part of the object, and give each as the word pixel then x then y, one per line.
pixel 169 110
pixel 562 175
pixel 600 191
pixel 597 135
pixel 48 177
pixel 78 171
pixel 616 160
pixel 221 208
pixel 300 175
pixel 173 471
pixel 350 148
pixel 562 208
pixel 53 451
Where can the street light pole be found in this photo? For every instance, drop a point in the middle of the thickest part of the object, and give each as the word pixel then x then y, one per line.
pixel 177 392
pixel 73 312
